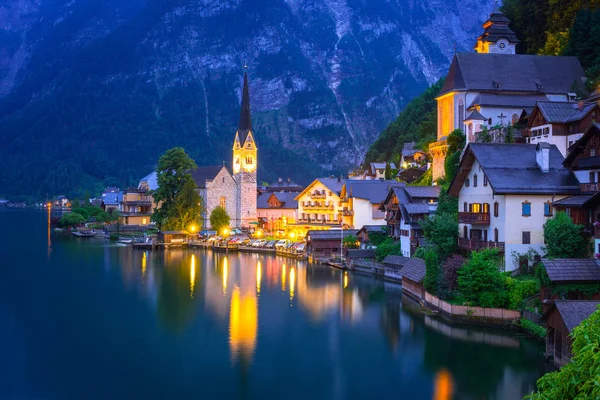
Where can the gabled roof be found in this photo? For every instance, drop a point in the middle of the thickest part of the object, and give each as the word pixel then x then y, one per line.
pixel 575 201
pixel 111 199
pixel 475 116
pixel 396 260
pixel 592 131
pixel 333 184
pixel 414 270
pixel 151 179
pixel 513 169
pixel 374 191
pixel 372 229
pixel 330 234
pixel 573 312
pixel 572 270
pixel 288 200
pixel 563 111
pixel 423 192
pixel 205 174
pixel 515 72
pixel 381 165
pixel 506 100
pixel 416 208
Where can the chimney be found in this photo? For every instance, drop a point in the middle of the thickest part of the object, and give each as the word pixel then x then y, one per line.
pixel 580 105
pixel 542 156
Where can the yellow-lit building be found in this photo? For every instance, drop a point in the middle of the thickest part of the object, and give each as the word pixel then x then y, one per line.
pixel 136 207
pixel 319 206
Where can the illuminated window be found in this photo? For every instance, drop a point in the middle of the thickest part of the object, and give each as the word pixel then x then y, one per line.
pixel 144 221
pixel 249 160
pixel 222 201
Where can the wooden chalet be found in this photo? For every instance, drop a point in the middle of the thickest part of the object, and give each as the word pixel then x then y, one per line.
pixel 561 319
pixel 413 274
pixel 325 244
pixel 172 237
pixel 566 274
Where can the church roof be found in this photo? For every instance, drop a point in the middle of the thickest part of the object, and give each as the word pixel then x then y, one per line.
pixel 513 73
pixel 507 100
pixel 205 174
pixel 245 125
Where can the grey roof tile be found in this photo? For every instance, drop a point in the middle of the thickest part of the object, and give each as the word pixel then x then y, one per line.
pixel 374 191
pixel 330 234
pixel 506 100
pixel 572 269
pixel 573 312
pixel 206 174
pixel 396 260
pixel 414 270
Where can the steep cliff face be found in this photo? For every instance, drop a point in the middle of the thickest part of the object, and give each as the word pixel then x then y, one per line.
pixel 93 91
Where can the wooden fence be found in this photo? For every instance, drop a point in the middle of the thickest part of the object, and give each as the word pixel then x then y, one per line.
pixel 467 311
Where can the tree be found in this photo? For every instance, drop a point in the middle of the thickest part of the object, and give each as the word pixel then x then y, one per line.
pixel 564 238
pixel 186 209
pixel 579 379
pixel 388 172
pixel 350 242
pixel 172 173
pixel 441 230
pixel 480 280
pixel 219 218
pixel 450 269
pixel 432 271
pixel 72 219
pixel 387 248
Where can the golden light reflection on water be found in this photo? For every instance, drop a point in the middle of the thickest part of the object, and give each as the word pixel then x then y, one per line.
pixel 443 385
pixel 144 263
pixel 258 276
pixel 49 238
pixel 192 275
pixel 243 324
pixel 283 277
pixel 225 265
pixel 345 279
pixel 292 282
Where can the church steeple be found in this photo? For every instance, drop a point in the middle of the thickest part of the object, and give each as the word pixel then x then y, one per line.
pixel 497 37
pixel 245 124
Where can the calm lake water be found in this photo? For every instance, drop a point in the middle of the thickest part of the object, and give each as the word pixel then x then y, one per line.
pixel 86 319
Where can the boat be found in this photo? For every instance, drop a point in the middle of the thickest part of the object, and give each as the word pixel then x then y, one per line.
pixel 83 234
pixel 125 240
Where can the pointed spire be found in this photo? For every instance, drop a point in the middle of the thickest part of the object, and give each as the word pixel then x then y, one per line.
pixel 245 119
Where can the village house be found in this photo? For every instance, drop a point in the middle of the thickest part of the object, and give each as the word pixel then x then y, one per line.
pixel 413 274
pixel 319 206
pixel 561 319
pixel 492 87
pixel 366 233
pixel 505 195
pixel 405 208
pixel 111 200
pixel 570 279
pixel 277 210
pixel 376 171
pixel 560 123
pixel 411 174
pixel 326 244
pixel 583 160
pixel 411 156
pixel 360 201
pixel 135 207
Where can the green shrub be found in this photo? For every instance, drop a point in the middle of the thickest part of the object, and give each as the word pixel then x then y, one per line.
pixel 432 271
pixel 519 290
pixel 480 279
pixel 532 328
pixel 387 248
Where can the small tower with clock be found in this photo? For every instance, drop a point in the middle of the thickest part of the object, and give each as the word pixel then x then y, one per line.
pixel 245 164
pixel 497 37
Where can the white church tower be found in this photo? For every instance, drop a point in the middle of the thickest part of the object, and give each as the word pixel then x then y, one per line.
pixel 245 163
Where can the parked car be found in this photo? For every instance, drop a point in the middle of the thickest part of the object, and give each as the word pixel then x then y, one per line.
pixel 245 241
pixel 271 244
pixel 259 243
pixel 300 248
pixel 282 244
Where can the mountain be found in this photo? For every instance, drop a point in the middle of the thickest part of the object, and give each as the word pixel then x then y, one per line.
pixel 92 92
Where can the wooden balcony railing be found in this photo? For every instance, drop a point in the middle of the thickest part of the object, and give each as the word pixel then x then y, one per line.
pixel 589 187
pixel 474 218
pixel 474 244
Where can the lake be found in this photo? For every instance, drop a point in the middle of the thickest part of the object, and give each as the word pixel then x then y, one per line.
pixel 88 319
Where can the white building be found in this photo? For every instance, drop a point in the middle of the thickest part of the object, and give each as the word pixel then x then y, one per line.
pixel 319 205
pixel 360 202
pixel 493 86
pixel 505 194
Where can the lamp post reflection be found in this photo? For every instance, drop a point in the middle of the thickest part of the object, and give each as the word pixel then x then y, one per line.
pixel 225 265
pixel 192 275
pixel 292 282
pixel 258 276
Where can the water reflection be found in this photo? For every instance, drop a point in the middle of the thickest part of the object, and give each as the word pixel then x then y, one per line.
pixel 241 295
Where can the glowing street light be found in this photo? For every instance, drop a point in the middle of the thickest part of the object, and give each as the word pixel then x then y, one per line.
pixel 193 228
pixel 225 231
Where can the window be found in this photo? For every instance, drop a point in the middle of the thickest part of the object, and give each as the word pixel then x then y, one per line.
pixel 144 221
pixel 547 209
pixel 475 180
pixel 486 208
pixel 465 207
pixel 526 209
pixel 222 201
pixel 465 232
pixel 485 180
pixel 496 235
pixel 568 211
pixel 249 160
pixel 592 176
pixel 496 208
pixel 467 182
pixel 476 207
pixel 461 115
pixel 526 237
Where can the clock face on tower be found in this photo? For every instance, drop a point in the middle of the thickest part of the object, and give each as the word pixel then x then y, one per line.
pixel 502 44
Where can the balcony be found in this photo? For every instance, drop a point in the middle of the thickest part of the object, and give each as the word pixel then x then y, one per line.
pixel 474 244
pixel 590 187
pixel 474 218
pixel 348 213
pixel 318 195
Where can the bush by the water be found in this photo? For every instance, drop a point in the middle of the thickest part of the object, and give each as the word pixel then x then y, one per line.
pixel 532 328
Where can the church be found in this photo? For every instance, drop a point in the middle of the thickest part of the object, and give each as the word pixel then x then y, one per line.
pixel 235 190
pixel 494 87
